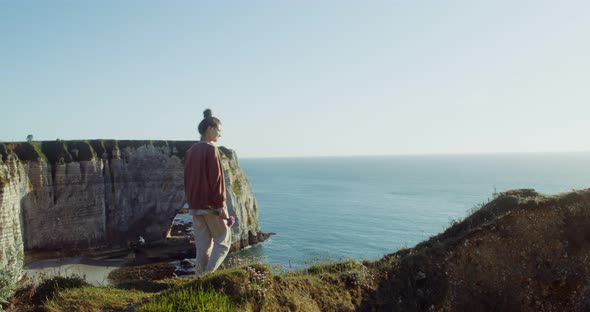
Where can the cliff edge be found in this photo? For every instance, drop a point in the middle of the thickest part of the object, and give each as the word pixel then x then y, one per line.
pixel 523 251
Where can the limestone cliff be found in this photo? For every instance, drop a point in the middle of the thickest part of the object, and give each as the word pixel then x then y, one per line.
pixel 85 195
pixel 13 186
pixel 240 202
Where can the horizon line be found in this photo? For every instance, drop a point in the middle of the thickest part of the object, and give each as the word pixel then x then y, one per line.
pixel 421 154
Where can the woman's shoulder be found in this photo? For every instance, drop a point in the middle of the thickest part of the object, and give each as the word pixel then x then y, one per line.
pixel 204 147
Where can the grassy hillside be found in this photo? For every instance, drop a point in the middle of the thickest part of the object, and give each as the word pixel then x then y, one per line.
pixel 523 251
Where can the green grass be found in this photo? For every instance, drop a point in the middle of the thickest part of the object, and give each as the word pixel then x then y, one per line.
pixel 246 287
pixel 95 299
pixel 254 287
pixel 37 147
pixel 190 299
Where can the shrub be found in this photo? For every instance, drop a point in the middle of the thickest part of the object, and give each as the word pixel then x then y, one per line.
pixel 11 271
pixel 48 288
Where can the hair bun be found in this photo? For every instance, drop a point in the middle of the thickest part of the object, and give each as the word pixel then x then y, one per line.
pixel 207 113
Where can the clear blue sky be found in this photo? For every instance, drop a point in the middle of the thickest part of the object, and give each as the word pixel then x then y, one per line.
pixel 301 78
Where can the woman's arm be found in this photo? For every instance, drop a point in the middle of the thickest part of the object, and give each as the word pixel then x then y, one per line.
pixel 216 179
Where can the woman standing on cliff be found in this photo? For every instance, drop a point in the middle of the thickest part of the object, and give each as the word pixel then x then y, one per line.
pixel 204 187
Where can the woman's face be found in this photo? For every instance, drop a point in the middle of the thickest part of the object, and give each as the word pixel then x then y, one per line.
pixel 214 133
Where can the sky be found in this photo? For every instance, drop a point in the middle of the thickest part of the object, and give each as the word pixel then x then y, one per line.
pixel 301 78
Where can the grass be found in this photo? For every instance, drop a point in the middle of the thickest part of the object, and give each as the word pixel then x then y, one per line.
pixel 37 147
pixel 95 299
pixel 190 299
pixel 249 286
pixel 254 287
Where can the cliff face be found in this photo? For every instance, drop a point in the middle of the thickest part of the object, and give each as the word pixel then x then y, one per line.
pixel 13 186
pixel 240 203
pixel 104 194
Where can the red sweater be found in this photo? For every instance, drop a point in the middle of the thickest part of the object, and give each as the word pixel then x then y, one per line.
pixel 204 184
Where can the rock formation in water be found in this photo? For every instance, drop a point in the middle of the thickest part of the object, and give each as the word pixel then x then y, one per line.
pixel 104 194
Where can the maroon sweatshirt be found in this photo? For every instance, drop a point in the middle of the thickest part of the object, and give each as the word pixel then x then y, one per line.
pixel 204 184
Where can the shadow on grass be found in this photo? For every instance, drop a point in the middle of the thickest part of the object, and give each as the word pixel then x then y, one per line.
pixel 145 286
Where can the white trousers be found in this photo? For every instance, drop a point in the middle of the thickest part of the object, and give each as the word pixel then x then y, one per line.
pixel 212 241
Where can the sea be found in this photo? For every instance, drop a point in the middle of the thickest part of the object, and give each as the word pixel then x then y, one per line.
pixel 333 208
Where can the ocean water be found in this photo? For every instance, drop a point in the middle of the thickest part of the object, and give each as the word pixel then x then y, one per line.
pixel 325 209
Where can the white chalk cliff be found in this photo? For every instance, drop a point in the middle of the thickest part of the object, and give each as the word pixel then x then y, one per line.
pixel 101 194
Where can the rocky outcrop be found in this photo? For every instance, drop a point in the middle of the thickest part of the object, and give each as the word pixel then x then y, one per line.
pixel 83 195
pixel 523 251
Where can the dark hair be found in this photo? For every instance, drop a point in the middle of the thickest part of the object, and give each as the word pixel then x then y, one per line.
pixel 208 121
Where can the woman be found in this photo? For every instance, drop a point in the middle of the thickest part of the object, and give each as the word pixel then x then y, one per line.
pixel 204 187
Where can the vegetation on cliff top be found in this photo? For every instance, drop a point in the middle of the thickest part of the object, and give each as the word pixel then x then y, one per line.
pixel 26 151
pixel 523 251
pixel 60 151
